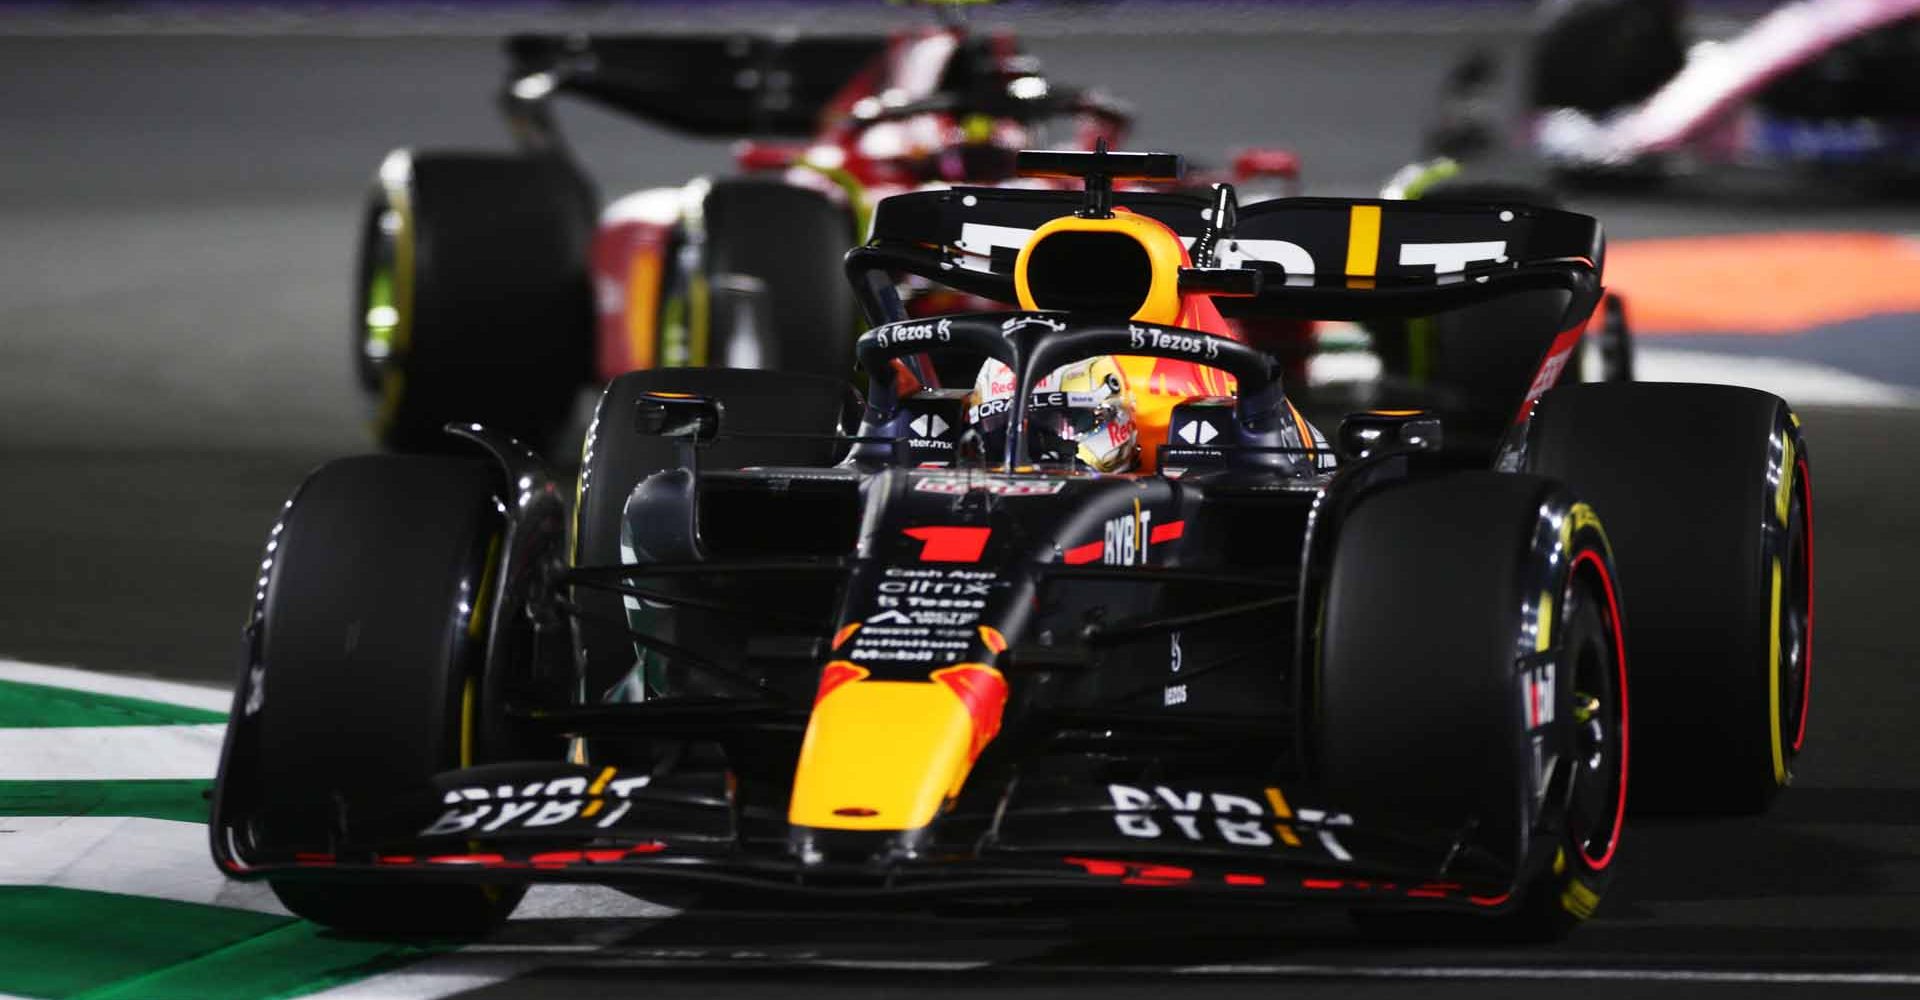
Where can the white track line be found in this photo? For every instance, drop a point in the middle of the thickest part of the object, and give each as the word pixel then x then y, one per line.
pixel 1624 974
pixel 166 692
pixel 570 902
pixel 128 855
pixel 110 753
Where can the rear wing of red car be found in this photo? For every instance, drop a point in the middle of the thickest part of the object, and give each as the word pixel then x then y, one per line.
pixel 712 85
pixel 1323 258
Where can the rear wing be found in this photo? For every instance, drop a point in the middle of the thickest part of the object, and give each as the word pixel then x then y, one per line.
pixel 1324 258
pixel 710 85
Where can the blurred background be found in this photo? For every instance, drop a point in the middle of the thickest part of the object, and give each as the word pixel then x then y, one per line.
pixel 181 188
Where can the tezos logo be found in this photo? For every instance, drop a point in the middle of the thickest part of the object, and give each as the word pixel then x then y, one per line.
pixel 1197 344
pixel 915 333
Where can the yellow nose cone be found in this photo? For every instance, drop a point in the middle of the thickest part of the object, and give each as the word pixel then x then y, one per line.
pixel 887 755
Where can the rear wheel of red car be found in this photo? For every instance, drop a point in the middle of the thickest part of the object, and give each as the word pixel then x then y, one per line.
pixel 1707 497
pixel 373 623
pixel 778 292
pixel 1471 679
pixel 474 303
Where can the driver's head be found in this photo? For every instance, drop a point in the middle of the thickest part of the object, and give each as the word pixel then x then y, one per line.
pixel 1080 413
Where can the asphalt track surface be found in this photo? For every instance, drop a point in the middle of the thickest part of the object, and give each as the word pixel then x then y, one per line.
pixel 175 227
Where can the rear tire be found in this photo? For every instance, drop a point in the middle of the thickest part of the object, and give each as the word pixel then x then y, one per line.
pixel 1707 499
pixel 474 302
pixel 1428 704
pixel 371 642
pixel 782 246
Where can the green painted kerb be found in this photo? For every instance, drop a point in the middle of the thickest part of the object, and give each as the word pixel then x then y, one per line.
pixel 36 706
pixel 68 944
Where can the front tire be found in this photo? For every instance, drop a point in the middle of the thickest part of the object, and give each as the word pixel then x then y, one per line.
pixel 1471 675
pixel 371 636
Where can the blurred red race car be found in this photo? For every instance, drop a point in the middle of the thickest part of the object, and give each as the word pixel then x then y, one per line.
pixel 493 285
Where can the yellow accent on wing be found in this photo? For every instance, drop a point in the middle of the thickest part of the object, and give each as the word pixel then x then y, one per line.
pixel 1363 244
pixel 1279 803
pixel 881 755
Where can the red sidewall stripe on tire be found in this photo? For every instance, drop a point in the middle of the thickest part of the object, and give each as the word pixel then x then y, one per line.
pixel 1620 661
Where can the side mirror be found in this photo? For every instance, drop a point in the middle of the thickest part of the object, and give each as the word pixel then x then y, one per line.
pixel 1375 432
pixel 672 414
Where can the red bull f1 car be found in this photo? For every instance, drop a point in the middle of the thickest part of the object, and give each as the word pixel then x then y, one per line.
pixel 1116 623
pixel 493 286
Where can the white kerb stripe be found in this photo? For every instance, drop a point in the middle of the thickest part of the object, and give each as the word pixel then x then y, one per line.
pixel 110 753
pixel 129 855
pixel 212 699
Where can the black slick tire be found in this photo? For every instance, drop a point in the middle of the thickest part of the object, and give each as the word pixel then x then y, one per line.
pixel 780 298
pixel 1706 494
pixel 374 621
pixel 480 263
pixel 1439 629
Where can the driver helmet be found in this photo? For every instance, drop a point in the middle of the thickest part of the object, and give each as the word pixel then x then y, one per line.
pixel 1082 413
